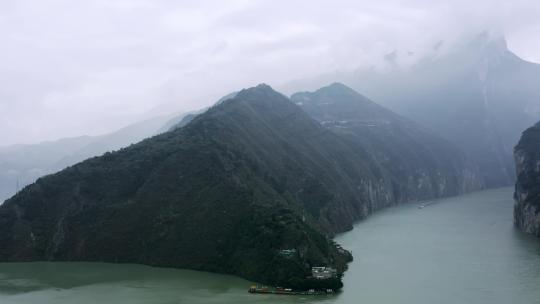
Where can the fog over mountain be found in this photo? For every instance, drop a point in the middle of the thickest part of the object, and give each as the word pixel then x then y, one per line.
pixel 346 151
pixel 480 96
pixel 92 67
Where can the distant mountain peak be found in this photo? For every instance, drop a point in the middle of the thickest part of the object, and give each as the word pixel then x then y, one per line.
pixel 337 88
pixel 260 94
pixel 263 86
pixel 259 89
pixel 338 100
pixel 331 91
pixel 491 40
pixel 490 45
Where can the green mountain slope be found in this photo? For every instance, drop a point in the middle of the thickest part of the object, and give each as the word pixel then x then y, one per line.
pixel 479 95
pixel 225 193
pixel 419 164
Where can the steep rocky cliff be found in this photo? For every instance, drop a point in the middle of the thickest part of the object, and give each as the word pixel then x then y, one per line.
pixel 527 195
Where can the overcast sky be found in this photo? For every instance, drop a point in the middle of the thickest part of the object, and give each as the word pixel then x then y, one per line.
pixel 69 68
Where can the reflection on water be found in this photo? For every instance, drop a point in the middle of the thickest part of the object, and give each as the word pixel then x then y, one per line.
pixel 459 250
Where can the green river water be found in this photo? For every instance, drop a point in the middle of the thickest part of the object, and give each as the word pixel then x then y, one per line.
pixel 457 250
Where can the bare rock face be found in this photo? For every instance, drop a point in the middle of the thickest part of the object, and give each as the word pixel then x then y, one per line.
pixel 255 186
pixel 527 195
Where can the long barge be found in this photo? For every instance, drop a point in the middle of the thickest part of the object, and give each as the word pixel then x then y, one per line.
pixel 287 291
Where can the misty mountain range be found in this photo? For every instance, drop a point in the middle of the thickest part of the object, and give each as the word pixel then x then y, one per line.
pixel 462 96
pixel 480 96
pixel 273 177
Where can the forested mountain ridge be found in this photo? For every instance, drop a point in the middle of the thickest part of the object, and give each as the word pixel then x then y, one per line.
pixel 253 187
pixel 420 164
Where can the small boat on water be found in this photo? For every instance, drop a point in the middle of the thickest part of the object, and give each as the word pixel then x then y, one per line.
pixel 288 291
pixel 424 205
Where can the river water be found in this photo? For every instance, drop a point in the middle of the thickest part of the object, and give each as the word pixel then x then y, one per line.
pixel 457 250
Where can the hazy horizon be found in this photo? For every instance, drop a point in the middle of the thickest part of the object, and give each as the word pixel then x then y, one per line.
pixel 90 68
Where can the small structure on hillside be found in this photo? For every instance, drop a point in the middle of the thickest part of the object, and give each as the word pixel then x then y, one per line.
pixel 322 273
pixel 287 253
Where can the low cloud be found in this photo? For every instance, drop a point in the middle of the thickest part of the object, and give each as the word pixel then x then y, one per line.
pixel 71 68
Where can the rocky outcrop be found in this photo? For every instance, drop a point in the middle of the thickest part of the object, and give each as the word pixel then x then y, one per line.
pixel 527 194
pixel 254 187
